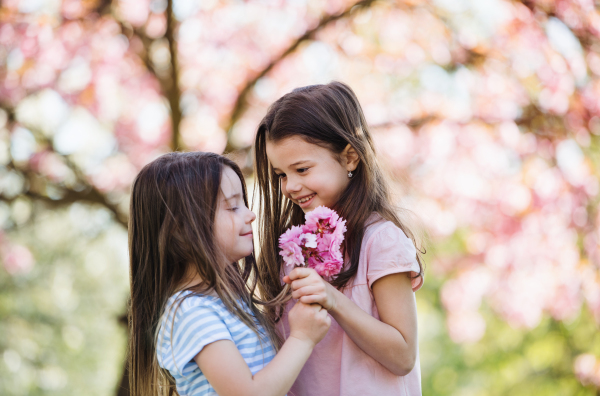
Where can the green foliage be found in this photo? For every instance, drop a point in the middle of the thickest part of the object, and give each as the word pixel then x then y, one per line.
pixel 59 329
pixel 506 361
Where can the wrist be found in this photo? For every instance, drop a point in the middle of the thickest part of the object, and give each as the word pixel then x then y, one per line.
pixel 302 341
pixel 335 299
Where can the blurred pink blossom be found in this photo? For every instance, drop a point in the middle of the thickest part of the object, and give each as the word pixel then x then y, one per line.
pixel 17 259
pixel 587 369
pixel 465 326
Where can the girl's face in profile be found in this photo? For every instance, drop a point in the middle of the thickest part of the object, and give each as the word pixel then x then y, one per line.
pixel 233 221
pixel 310 175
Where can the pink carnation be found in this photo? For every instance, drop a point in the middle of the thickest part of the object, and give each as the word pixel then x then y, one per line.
pixel 323 242
pixel 321 216
pixel 291 253
pixel 338 233
pixel 328 268
pixel 306 229
pixel 308 240
pixel 336 255
pixel 312 262
pixel 291 235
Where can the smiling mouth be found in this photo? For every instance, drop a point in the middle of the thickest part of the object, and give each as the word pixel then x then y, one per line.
pixel 306 199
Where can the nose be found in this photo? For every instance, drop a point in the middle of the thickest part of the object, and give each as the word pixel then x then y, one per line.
pixel 292 185
pixel 251 216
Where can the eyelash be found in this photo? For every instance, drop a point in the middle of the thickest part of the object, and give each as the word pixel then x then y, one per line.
pixel 282 175
pixel 234 209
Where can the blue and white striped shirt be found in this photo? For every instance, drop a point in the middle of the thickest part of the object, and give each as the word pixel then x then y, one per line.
pixel 199 321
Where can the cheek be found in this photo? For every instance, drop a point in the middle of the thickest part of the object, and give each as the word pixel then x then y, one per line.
pixel 334 184
pixel 224 231
pixel 336 193
pixel 221 234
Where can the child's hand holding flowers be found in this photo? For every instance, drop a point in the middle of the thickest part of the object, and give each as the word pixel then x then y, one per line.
pixel 309 288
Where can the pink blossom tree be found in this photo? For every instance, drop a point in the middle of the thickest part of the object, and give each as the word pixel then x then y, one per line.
pixel 487 113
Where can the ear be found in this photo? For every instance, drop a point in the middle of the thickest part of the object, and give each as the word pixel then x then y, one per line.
pixel 350 158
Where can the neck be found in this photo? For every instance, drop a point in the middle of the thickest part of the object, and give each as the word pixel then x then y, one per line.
pixel 191 280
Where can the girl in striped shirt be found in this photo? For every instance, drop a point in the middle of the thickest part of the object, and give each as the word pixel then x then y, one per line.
pixel 195 328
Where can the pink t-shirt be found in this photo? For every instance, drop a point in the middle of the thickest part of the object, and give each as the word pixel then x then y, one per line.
pixel 337 366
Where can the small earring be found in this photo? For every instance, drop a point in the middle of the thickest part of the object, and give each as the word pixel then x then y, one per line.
pixel 350 174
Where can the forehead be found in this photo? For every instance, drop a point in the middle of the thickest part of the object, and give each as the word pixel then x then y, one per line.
pixel 230 182
pixel 290 150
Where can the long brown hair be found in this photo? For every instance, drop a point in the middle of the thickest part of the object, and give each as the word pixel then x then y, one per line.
pixel 329 116
pixel 173 205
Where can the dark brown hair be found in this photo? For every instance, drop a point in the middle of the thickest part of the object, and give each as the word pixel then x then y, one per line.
pixel 329 116
pixel 171 232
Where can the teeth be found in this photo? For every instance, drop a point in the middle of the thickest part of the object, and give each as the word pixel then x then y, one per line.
pixel 306 199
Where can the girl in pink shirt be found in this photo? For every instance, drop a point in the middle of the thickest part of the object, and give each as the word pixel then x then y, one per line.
pixel 314 148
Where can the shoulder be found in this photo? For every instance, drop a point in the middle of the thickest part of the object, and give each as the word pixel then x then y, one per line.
pixel 380 231
pixel 190 322
pixel 186 305
pixel 387 250
pixel 190 301
pixel 189 315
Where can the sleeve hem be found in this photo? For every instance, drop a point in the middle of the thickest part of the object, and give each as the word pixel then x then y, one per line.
pixel 199 347
pixel 397 270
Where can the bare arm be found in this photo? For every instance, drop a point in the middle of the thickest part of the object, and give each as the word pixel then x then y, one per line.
pixel 392 340
pixel 227 372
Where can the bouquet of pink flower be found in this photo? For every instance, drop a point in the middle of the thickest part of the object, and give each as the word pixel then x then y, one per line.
pixel 316 244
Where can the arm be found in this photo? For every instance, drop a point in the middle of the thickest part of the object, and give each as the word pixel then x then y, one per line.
pixel 227 372
pixel 392 341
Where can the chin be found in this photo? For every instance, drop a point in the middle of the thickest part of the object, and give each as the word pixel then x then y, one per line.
pixel 312 207
pixel 241 258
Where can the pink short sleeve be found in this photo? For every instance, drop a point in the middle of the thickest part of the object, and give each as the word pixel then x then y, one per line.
pixel 390 251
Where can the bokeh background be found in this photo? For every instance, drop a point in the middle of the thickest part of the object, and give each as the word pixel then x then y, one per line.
pixel 487 113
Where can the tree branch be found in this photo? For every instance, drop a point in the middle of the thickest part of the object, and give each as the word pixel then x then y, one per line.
pixel 174 92
pixel 413 123
pixel 169 83
pixel 241 101
pixel 88 194
pixel 533 119
pixel 129 31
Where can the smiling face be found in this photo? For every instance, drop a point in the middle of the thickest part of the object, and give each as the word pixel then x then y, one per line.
pixel 233 221
pixel 310 175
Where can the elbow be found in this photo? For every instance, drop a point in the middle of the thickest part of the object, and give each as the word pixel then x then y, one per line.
pixel 403 365
pixel 402 369
pixel 252 391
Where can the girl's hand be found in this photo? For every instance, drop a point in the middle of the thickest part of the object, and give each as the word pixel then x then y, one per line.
pixel 308 322
pixel 310 288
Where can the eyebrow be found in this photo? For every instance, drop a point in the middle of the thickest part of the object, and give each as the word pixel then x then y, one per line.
pixel 294 164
